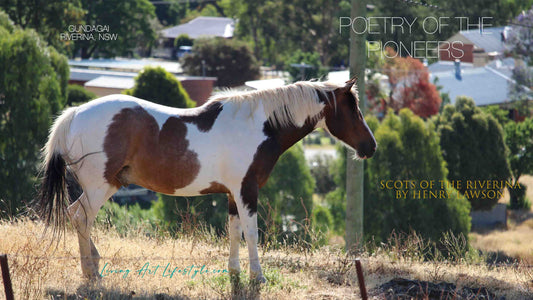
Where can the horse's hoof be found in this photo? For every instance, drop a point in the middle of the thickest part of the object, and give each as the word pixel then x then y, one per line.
pixel 260 279
pixel 93 276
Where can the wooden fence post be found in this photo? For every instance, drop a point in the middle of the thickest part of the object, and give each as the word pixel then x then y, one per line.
pixel 361 279
pixel 7 279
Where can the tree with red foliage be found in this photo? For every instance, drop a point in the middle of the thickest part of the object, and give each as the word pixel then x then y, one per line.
pixel 410 86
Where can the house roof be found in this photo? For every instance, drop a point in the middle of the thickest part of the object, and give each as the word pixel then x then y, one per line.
pixel 202 26
pixel 339 76
pixel 125 65
pixel 80 74
pixel 486 85
pixel 112 82
pixel 265 84
pixel 490 39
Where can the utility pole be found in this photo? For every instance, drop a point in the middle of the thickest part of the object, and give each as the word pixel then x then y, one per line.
pixel 354 168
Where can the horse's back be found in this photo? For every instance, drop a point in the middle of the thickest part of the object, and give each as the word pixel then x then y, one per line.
pixel 108 106
pixel 169 150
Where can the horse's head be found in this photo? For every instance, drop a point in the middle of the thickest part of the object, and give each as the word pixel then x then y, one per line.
pixel 344 120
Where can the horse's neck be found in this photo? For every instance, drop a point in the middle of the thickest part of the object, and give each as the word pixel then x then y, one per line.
pixel 288 136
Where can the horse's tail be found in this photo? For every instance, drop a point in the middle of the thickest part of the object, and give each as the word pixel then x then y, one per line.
pixel 53 197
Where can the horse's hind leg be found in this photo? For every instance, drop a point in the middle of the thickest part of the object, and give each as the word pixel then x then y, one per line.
pixel 83 213
pixel 72 210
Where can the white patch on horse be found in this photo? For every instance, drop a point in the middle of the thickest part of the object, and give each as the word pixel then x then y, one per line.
pixel 225 157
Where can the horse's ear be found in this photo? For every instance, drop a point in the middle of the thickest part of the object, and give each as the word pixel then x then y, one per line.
pixel 349 84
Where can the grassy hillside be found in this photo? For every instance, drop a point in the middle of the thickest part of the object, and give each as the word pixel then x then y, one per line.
pixel 292 273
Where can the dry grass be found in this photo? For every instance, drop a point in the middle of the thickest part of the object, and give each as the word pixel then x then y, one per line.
pixel 38 273
pixel 516 241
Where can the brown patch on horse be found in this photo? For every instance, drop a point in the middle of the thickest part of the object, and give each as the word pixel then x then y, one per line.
pixel 216 188
pixel 267 154
pixel 205 119
pixel 232 206
pixel 137 152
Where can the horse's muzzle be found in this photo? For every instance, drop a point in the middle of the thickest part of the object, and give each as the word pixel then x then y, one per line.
pixel 366 149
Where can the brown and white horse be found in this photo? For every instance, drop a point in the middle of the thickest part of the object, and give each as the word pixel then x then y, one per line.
pixel 228 145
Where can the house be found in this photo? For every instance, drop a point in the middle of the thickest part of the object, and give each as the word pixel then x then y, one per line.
pixel 487 85
pixel 202 27
pixel 477 47
pixel 196 28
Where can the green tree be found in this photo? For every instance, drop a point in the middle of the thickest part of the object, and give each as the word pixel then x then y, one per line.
pixel 130 20
pixel 519 139
pixel 315 69
pixel 33 81
pixel 474 148
pixel 48 18
pixel 231 61
pixel 78 95
pixel 158 85
pixel 171 12
pixel 278 28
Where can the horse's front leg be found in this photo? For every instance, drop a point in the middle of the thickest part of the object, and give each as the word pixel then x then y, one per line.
pixel 247 208
pixel 235 235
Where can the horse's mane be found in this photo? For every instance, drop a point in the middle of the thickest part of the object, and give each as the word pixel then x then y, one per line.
pixel 286 105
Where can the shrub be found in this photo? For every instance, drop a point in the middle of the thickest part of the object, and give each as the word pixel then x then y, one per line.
pixel 183 40
pixel 231 61
pixel 182 214
pixel 320 166
pixel 518 197
pixel 158 85
pixel 473 146
pixel 409 150
pixel 76 95
pixel 502 116
pixel 128 220
pixel 321 218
